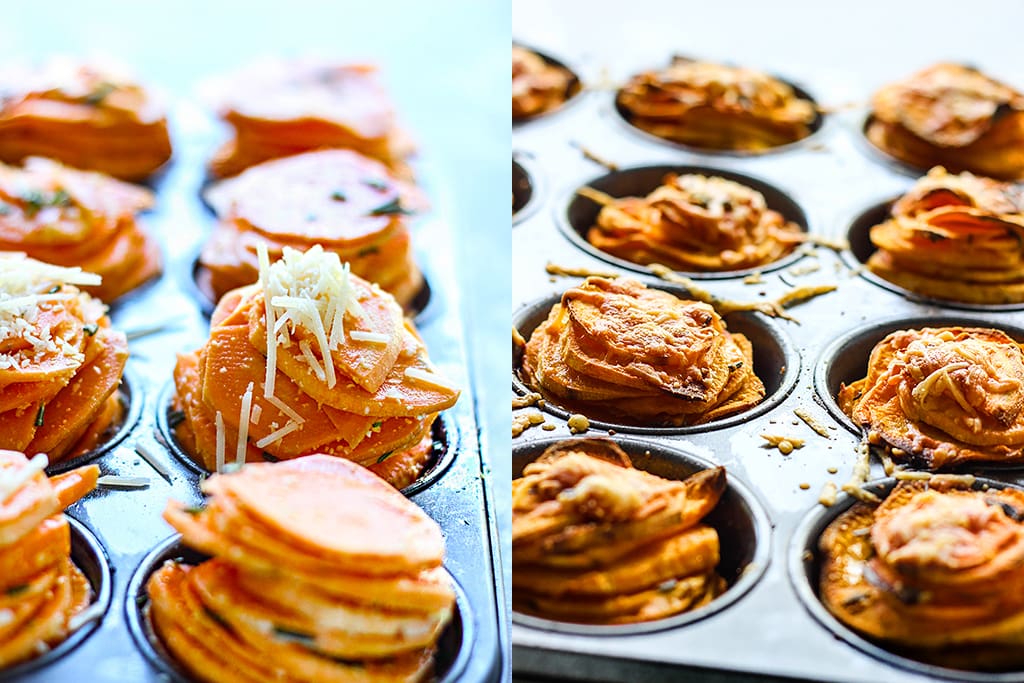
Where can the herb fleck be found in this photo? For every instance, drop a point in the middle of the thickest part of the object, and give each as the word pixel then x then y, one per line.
pixel 39 416
pixel 366 251
pixel 17 590
pixel 391 208
pixel 99 93
pixel 270 458
pixel 53 290
pixel 376 184
pixel 384 457
pixel 338 196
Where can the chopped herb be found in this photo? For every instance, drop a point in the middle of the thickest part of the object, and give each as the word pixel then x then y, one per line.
pixel 270 458
pixel 39 416
pixel 17 590
pixel 175 418
pixel 294 636
pixel 141 600
pixel 90 329
pixel 392 207
pixel 377 424
pixel 35 202
pixel 194 510
pixel 100 93
pixel 338 196
pixel 379 185
pixel 384 457
pixel 216 617
pixel 53 290
pixel 366 251
pixel 60 198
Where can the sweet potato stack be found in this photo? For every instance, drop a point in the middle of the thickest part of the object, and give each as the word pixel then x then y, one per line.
pixel 614 349
pixel 954 116
pixel 596 541
pixel 939 397
pixel 321 572
pixel 280 108
pixel 76 218
pixel 41 589
pixel 86 116
pixel 954 237
pixel 340 372
pixel 60 362
pixel 347 203
pixel 537 86
pixel 934 572
pixel 693 223
pixel 714 106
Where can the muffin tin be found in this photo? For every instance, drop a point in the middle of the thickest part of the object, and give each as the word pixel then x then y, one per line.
pixel 832 177
pixel 167 317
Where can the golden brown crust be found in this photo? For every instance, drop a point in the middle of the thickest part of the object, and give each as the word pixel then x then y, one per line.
pixel 940 397
pixel 615 348
pixel 703 104
pixel 537 85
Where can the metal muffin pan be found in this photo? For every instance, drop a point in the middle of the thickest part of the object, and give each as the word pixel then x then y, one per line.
pixel 767 632
pixel 572 92
pixel 128 522
pixel 776 362
pixel 454 649
pixel 805 557
pixel 580 213
pixel 743 527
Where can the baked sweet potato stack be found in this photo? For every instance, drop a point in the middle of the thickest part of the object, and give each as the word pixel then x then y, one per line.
pixel 78 219
pixel 537 86
pixel 954 237
pixel 320 572
pixel 693 223
pixel 60 362
pixel 310 359
pixel 84 115
pixel 940 397
pixel 596 541
pixel 715 106
pixel 41 589
pixel 278 108
pixel 348 204
pixel 614 349
pixel 934 572
pixel 954 116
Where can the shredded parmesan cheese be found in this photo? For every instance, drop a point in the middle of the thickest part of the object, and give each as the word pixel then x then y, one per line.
pixel 255 414
pixel 286 409
pixel 219 424
pixel 243 425
pixel 118 482
pixel 371 337
pixel 429 378
pixel 277 435
pixel 11 482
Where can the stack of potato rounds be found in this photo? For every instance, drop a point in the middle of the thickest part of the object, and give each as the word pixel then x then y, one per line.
pixel 347 203
pixel 939 397
pixel 715 106
pixel 41 589
pixel 596 541
pixel 340 372
pixel 954 237
pixel 537 86
pixel 934 570
pixel 693 223
pixel 954 116
pixel 60 362
pixel 321 572
pixel 77 218
pixel 83 115
pixel 280 108
pixel 613 347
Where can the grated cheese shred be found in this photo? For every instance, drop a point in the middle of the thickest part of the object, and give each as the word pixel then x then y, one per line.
pixel 243 425
pixel 219 424
pixel 278 435
pixel 11 482
pixel 429 378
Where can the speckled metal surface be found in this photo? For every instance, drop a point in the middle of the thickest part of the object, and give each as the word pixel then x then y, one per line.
pixel 834 178
pixel 128 523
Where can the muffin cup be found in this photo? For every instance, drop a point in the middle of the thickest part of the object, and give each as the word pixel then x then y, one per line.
pixel 804 562
pixel 576 214
pixel 454 649
pixel 743 528
pixel 573 90
pixel 776 363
